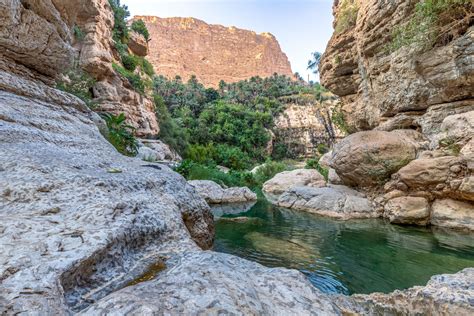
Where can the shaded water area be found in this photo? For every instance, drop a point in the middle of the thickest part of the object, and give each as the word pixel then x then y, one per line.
pixel 357 256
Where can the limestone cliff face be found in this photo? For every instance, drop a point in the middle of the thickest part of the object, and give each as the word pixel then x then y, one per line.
pixel 305 124
pixel 397 89
pixel 188 46
pixel 113 93
pixel 418 97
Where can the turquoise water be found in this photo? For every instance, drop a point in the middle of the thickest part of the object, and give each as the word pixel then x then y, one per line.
pixel 358 256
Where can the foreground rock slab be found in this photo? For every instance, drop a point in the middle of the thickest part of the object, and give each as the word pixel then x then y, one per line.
pixel 213 193
pixel 216 283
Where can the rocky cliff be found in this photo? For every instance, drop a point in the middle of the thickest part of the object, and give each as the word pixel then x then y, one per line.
pixel 305 127
pixel 95 54
pixel 188 46
pixel 404 70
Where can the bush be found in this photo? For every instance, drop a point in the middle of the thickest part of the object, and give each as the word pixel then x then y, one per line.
pixel 195 171
pixel 202 154
pixel 120 134
pixel 135 80
pixel 78 33
pixel 322 149
pixel 268 171
pixel 140 27
pixel 170 132
pixel 78 83
pixel 423 27
pixel 120 31
pixel 147 67
pixel 130 62
pixel 347 17
pixel 314 164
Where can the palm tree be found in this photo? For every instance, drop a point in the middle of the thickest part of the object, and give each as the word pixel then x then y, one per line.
pixel 313 63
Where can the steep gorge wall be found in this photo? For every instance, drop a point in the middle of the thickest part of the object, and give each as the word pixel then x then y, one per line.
pixel 188 46
pixel 413 105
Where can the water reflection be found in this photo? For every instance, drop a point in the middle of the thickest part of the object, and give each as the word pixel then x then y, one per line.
pixel 359 256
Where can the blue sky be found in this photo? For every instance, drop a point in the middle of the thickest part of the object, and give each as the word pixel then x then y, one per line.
pixel 301 26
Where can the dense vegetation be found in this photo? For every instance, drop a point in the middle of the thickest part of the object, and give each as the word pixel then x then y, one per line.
pixel 425 28
pixel 227 126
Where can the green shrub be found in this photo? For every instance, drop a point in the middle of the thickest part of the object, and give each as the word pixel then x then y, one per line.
pixel 339 120
pixel 147 67
pixel 170 132
pixel 322 149
pixel 347 17
pixel 78 33
pixel 423 27
pixel 135 80
pixel 140 27
pixel 78 83
pixel 120 134
pixel 195 171
pixel 121 48
pixel 450 144
pixel 130 62
pixel 314 164
pixel 231 157
pixel 120 32
pixel 268 171
pixel 202 154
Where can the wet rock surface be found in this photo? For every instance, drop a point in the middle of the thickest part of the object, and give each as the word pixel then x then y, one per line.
pixel 213 193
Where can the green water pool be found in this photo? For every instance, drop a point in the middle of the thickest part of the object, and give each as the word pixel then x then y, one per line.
pixel 357 256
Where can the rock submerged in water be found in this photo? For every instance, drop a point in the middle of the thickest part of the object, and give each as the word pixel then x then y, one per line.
pixel 213 193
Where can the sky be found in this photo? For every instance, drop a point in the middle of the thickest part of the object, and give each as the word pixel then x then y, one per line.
pixel 300 26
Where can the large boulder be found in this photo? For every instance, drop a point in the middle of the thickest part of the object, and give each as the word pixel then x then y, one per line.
pixel 335 201
pixel 213 193
pixel 138 44
pixel 156 150
pixel 408 210
pixel 369 158
pixel 453 214
pixel 285 180
pixel 445 176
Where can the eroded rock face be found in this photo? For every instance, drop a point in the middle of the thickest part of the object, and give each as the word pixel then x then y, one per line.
pixel 138 44
pixel 285 180
pixel 375 85
pixel 113 93
pixel 35 38
pixel 213 193
pixel 188 46
pixel 156 150
pixel 305 124
pixel 369 158
pixel 73 207
pixel 224 286
pixel 453 214
pixel 445 294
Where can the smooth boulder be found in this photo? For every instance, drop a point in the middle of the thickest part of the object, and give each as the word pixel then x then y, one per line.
pixel 453 214
pixel 336 201
pixel 213 193
pixel 368 158
pixel 286 180
pixel 408 210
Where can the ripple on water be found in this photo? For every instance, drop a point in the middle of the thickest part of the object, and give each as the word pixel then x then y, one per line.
pixel 360 256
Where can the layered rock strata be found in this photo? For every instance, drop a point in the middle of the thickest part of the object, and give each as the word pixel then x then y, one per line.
pixel 188 46
pixel 417 162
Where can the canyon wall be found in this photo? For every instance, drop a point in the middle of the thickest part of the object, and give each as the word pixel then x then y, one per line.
pixel 411 97
pixel 188 46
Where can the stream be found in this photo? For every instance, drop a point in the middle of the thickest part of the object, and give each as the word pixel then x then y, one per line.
pixel 356 256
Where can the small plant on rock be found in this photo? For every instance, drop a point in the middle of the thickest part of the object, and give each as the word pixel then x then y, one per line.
pixel 121 134
pixel 347 17
pixel 314 164
pixel 140 27
pixel 79 83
